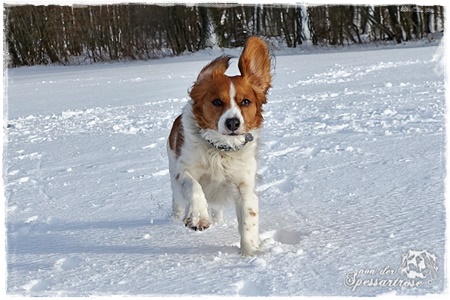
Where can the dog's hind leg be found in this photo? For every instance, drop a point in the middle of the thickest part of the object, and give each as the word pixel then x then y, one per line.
pixel 178 203
pixel 217 214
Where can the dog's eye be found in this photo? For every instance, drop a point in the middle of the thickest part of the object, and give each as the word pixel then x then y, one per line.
pixel 246 102
pixel 217 102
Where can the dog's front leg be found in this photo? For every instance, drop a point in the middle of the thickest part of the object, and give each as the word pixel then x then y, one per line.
pixel 197 217
pixel 248 218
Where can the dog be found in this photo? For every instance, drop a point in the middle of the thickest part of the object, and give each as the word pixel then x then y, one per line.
pixel 212 145
pixel 419 264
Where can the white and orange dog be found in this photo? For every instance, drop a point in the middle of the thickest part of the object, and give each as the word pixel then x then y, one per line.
pixel 212 145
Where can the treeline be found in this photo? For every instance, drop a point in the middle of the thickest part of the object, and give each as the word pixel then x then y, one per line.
pixel 86 34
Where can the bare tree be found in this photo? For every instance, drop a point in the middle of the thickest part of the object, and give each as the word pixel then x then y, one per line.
pixel 79 34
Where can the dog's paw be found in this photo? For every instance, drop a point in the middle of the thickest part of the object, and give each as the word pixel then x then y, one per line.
pixel 217 216
pixel 249 249
pixel 199 224
pixel 249 252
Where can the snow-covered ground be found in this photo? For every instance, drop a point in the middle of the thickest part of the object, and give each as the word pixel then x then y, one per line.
pixel 351 178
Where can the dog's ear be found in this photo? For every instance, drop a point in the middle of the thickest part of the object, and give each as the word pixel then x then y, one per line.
pixel 217 66
pixel 254 63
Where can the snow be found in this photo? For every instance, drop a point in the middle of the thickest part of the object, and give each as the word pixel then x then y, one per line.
pixel 351 177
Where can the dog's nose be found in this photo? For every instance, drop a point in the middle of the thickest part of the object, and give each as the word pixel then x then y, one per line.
pixel 232 124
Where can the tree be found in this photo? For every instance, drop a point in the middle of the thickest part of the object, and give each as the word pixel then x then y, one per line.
pixel 88 34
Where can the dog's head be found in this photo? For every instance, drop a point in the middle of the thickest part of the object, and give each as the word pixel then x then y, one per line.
pixel 226 108
pixel 418 264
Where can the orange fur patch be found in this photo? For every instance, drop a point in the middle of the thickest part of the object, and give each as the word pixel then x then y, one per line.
pixel 176 137
pixel 203 93
pixel 251 213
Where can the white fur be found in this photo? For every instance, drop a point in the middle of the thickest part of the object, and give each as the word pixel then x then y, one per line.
pixel 204 178
pixel 232 112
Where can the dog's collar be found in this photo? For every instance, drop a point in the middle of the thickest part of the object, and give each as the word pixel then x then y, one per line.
pixel 227 148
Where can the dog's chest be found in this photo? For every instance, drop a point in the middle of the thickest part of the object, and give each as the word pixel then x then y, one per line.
pixel 220 166
pixel 210 165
